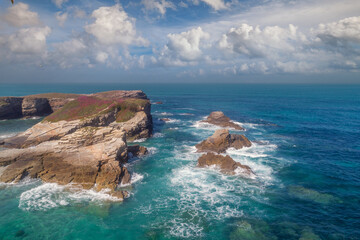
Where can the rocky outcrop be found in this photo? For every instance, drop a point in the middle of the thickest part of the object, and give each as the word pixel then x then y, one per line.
pixel 219 142
pixel 47 103
pixel 226 164
pixel 10 107
pixel 219 119
pixel 137 151
pixel 222 140
pixel 165 119
pixel 84 142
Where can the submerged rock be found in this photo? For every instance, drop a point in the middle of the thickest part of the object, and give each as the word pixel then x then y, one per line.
pixel 219 119
pixel 226 163
pixel 308 234
pixel 248 231
pixel 84 142
pixel 222 140
pixel 165 119
pixel 312 195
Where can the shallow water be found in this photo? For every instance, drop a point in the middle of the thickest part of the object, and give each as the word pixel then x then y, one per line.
pixel 306 160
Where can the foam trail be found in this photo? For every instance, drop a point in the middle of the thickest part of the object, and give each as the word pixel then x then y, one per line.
pixel 52 195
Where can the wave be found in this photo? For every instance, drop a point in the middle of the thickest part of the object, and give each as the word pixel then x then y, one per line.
pixel 158 135
pixel 140 140
pixel 186 114
pixel 135 177
pixel 205 193
pixel 8 135
pixel 164 114
pixel 52 195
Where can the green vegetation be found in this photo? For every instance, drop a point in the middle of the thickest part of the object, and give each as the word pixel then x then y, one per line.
pixel 90 106
pixel 55 95
pixel 128 108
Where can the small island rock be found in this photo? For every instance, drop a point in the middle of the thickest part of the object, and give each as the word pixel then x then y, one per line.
pixel 222 140
pixel 219 119
pixel 226 163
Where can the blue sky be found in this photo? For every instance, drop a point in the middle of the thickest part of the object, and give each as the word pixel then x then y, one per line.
pixel 180 41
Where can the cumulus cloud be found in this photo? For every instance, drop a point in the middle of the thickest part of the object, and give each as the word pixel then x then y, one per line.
pixel 59 3
pixel 29 40
pixel 157 5
pixel 344 31
pixel 256 42
pixel 19 15
pixel 61 17
pixel 183 48
pixel 113 26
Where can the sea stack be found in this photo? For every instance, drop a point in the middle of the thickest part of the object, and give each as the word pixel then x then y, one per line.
pixel 221 140
pixel 219 119
pixel 218 143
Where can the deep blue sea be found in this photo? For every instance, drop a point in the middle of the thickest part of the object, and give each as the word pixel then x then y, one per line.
pixel 306 157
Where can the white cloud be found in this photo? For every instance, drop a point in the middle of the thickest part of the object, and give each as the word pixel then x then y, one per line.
pixel 19 15
pixel 256 42
pixel 29 40
pixel 157 5
pixel 183 48
pixel 70 53
pixel 59 3
pixel 215 4
pixel 345 30
pixel 113 26
pixel 61 17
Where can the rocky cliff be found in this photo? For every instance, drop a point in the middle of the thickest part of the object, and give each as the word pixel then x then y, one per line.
pixel 83 142
pixel 44 104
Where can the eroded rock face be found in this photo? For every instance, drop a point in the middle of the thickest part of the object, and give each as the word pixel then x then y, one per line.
pixel 226 164
pixel 219 119
pixel 137 150
pixel 88 150
pixel 222 140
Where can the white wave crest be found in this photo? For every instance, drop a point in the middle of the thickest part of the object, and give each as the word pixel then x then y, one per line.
pixel 52 195
pixel 164 114
pixel 135 177
pixel 140 140
pixel 8 135
pixel 158 135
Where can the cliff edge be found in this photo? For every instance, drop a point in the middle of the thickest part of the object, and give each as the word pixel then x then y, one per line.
pixel 84 140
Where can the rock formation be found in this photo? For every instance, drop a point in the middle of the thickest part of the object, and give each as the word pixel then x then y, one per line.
pixel 137 150
pixel 222 140
pixel 165 119
pixel 44 104
pixel 219 119
pixel 226 163
pixel 84 142
pixel 218 143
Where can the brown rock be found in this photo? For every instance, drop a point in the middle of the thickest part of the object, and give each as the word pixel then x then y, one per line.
pixel 219 119
pixel 137 150
pixel 165 119
pixel 226 163
pixel 222 140
pixel 89 152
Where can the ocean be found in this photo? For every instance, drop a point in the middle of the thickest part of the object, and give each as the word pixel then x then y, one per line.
pixel 306 157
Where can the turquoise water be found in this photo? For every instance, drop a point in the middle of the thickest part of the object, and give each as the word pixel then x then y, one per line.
pixel 306 157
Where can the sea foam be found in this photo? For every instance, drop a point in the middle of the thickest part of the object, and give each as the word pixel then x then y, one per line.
pixel 52 195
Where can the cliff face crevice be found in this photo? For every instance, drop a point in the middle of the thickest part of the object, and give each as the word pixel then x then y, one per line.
pixel 84 142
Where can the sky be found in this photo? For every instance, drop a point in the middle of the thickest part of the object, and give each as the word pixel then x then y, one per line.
pixel 258 41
